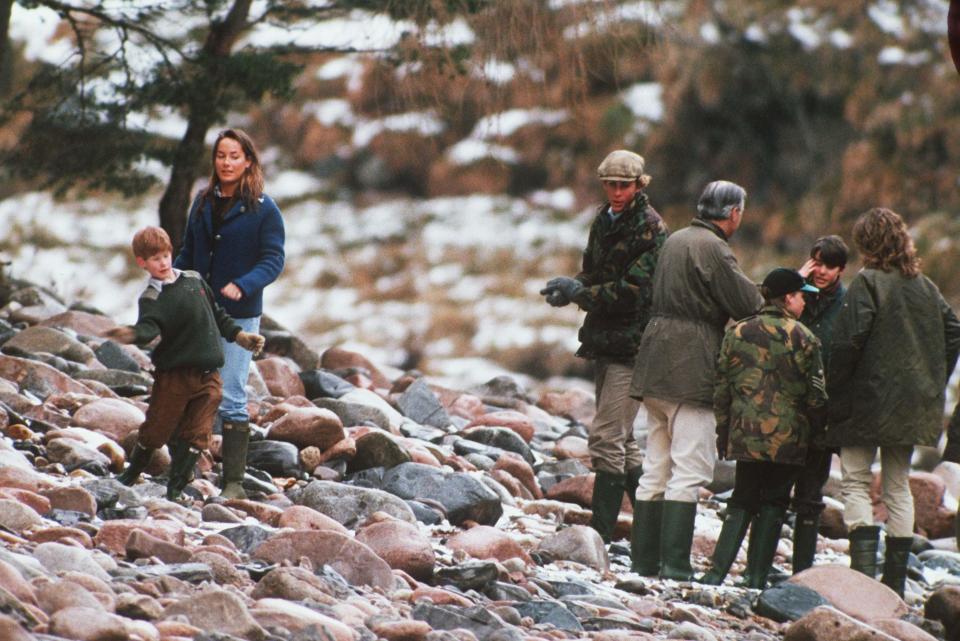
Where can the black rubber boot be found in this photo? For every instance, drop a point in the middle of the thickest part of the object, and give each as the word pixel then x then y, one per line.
pixel 764 538
pixel 676 539
pixel 183 460
pixel 735 525
pixel 139 460
pixel 236 437
pixel 645 537
pixel 864 542
pixel 632 482
pixel 805 541
pixel 607 497
pixel 895 562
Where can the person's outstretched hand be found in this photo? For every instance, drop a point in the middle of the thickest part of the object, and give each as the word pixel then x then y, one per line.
pixel 251 342
pixel 565 285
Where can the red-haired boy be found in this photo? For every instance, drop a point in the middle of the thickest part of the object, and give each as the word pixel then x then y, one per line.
pixel 179 307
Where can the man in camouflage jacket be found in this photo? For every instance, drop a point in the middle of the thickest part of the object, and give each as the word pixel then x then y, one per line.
pixel 769 399
pixel 615 289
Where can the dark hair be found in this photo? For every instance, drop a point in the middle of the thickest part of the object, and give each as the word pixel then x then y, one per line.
pixel 882 237
pixel 251 183
pixel 150 241
pixel 831 251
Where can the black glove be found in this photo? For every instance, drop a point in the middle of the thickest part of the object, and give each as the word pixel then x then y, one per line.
pixel 555 297
pixel 566 286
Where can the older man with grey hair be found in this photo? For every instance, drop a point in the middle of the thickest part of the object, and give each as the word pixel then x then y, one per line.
pixel 698 286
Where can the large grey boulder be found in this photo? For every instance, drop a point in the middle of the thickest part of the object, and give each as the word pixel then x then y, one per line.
pixel 462 496
pixel 349 505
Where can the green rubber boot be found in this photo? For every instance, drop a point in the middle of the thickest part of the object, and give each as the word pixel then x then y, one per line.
pixel 805 541
pixel 676 539
pixel 236 437
pixel 139 460
pixel 645 537
pixel 864 542
pixel 607 497
pixel 763 545
pixel 895 562
pixel 183 461
pixel 735 525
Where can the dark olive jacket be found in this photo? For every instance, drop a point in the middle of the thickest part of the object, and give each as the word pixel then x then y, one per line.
pixel 618 268
pixel 895 343
pixel 698 287
pixel 819 313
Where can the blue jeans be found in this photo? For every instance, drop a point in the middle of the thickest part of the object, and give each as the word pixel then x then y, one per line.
pixel 234 373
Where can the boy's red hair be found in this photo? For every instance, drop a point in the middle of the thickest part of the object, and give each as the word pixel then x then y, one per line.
pixel 151 241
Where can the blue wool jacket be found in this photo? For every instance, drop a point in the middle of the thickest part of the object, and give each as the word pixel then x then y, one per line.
pixel 247 251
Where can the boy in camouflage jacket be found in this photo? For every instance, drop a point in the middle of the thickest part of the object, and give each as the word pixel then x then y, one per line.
pixel 615 287
pixel 769 399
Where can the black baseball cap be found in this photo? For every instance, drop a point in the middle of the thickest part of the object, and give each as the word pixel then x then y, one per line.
pixel 783 281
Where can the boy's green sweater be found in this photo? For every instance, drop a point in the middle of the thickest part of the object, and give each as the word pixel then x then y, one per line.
pixel 188 321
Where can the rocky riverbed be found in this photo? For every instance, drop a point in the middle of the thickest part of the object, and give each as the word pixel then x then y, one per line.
pixel 382 505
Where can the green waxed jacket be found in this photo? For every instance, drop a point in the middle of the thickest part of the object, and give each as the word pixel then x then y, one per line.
pixel 819 313
pixel 698 287
pixel 895 343
pixel 769 393
pixel 618 268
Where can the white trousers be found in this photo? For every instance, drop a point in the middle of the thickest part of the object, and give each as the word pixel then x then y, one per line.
pixel 855 464
pixel 681 451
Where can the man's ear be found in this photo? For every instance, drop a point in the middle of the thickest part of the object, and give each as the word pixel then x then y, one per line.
pixel 141 263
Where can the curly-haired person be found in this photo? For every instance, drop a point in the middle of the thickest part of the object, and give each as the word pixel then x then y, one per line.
pixel 895 343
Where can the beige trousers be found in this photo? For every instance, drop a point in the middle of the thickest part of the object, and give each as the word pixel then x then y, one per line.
pixel 611 441
pixel 855 464
pixel 681 451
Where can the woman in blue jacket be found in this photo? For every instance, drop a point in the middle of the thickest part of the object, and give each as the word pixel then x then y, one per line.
pixel 234 239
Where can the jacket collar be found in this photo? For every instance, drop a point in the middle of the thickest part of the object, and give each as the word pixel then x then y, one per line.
pixel 639 203
pixel 706 224
pixel 774 310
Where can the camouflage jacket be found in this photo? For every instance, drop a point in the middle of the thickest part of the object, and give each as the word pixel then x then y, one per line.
pixel 769 388
pixel 617 272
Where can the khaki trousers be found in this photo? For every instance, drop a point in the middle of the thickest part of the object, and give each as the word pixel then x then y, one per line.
pixel 681 451
pixel 184 404
pixel 612 444
pixel 855 464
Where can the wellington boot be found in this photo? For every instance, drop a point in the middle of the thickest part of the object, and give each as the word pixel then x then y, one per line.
pixel 895 562
pixel 607 497
pixel 236 437
pixel 632 482
pixel 183 461
pixel 728 544
pixel 763 545
pixel 645 537
pixel 864 542
pixel 805 541
pixel 139 460
pixel 676 539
